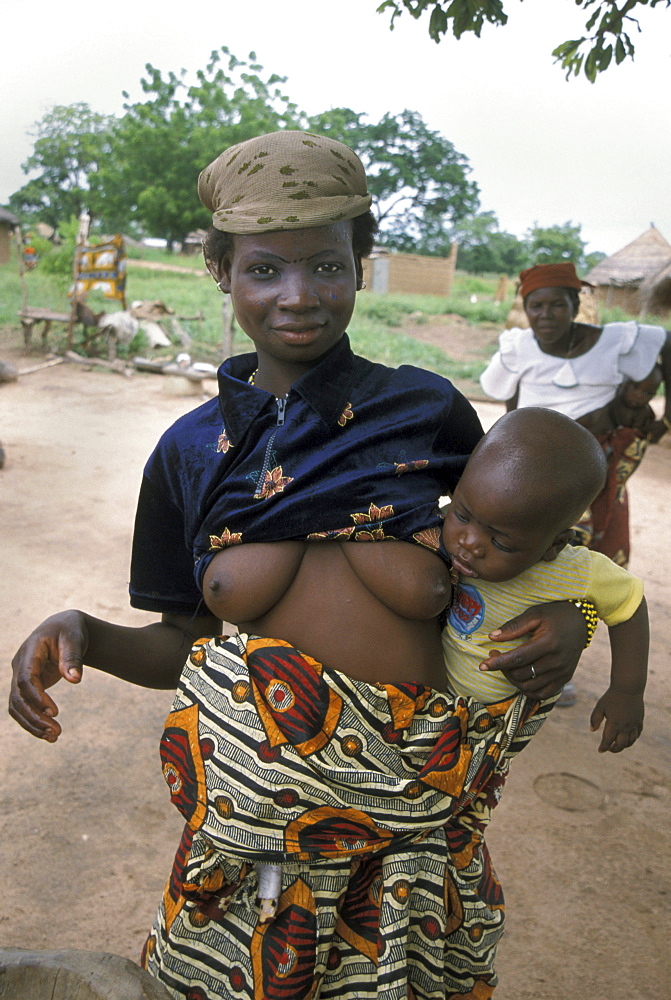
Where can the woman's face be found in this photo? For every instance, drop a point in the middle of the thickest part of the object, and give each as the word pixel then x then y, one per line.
pixel 293 292
pixel 550 312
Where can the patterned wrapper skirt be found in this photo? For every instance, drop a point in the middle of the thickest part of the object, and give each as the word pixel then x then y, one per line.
pixel 333 844
pixel 604 527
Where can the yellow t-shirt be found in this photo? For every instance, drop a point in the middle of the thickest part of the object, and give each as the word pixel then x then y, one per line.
pixel 479 607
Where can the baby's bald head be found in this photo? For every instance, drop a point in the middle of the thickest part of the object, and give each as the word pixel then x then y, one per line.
pixel 552 465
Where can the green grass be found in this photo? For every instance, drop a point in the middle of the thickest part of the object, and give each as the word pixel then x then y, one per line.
pixel 397 348
pixel 377 327
pixel 48 291
pixel 615 314
pixel 372 329
pixel 163 256
pixel 392 310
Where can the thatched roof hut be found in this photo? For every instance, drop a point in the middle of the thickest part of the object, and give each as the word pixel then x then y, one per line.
pixel 8 224
pixel 655 293
pixel 618 279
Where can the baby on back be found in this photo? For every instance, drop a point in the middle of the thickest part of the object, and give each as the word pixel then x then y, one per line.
pixel 630 406
pixel 508 533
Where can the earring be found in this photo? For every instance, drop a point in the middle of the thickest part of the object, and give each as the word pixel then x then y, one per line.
pixel 219 287
pixel 363 285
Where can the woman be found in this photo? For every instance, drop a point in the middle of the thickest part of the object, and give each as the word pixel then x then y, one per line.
pixel 577 368
pixel 335 796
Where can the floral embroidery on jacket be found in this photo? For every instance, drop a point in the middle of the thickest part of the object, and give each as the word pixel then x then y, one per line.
pixel 366 527
pixel 404 464
pixel 226 538
pixel 333 534
pixel 347 414
pixel 429 538
pixel 376 535
pixel 274 482
pixel 419 463
pixel 224 442
pixel 374 513
pixel 373 517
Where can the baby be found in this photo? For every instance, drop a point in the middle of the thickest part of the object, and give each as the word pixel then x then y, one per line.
pixel 630 407
pixel 508 533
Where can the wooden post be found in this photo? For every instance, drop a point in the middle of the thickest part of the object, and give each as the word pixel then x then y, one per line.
pixel 452 267
pixel 82 236
pixel 22 268
pixel 501 289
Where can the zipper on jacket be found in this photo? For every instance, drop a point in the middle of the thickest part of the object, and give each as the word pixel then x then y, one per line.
pixel 281 403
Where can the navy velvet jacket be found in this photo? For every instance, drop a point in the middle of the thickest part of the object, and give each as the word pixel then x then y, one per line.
pixel 357 452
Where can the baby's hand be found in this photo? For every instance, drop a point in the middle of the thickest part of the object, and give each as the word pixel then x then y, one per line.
pixel 623 713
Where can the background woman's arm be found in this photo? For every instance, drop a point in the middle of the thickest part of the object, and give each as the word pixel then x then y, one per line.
pixel 659 428
pixel 511 404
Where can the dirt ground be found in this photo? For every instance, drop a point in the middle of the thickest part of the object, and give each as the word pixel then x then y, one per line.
pixel 87 832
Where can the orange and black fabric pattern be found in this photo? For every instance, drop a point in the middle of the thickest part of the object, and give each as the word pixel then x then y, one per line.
pixel 370 800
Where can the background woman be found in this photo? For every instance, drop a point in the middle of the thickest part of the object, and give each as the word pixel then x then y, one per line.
pixel 318 762
pixel 577 368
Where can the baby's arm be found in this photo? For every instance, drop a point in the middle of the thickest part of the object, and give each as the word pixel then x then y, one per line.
pixel 615 414
pixel 622 704
pixel 600 421
pixel 639 417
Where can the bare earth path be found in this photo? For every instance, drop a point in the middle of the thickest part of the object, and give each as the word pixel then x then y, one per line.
pixel 582 842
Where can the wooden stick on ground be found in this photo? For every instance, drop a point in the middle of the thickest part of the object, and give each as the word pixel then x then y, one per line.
pixel 45 364
pixel 114 366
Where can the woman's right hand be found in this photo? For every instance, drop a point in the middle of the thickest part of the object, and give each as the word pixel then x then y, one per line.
pixel 555 634
pixel 55 649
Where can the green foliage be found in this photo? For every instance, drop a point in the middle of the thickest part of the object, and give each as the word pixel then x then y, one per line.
pixel 556 244
pixel 138 173
pixel 610 24
pixel 161 144
pixel 71 143
pixel 484 249
pixel 464 15
pixel 418 180
pixel 594 258
pixel 57 258
pixel 607 29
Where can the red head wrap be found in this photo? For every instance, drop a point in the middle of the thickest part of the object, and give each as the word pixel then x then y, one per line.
pixel 549 276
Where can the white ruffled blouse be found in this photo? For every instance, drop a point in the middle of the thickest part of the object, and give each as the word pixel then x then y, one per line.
pixel 573 386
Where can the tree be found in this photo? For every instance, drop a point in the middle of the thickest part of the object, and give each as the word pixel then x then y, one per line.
pixel 607 29
pixel 594 258
pixel 556 244
pixel 418 180
pixel 161 144
pixel 71 143
pixel 484 249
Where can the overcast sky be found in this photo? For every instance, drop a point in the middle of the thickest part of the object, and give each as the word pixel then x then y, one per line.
pixel 541 149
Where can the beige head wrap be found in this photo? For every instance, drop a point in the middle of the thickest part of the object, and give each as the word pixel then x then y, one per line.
pixel 284 180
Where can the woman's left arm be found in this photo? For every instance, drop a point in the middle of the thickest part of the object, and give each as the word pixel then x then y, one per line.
pixel 540 667
pixel 663 426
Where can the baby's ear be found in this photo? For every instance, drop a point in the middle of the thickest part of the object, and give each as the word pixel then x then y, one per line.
pixel 563 539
